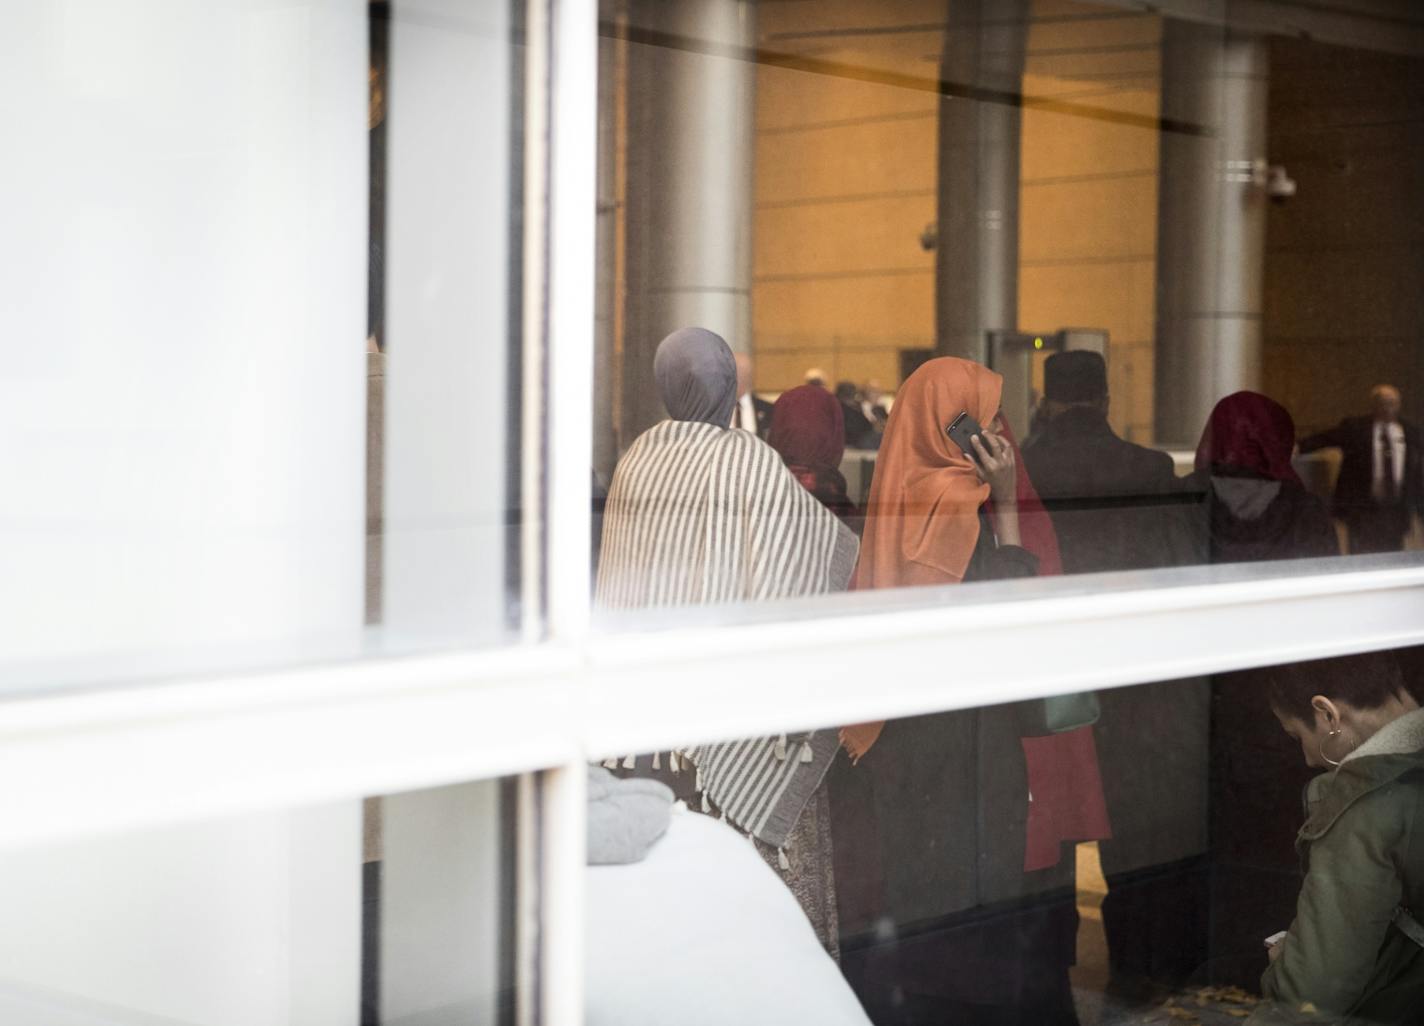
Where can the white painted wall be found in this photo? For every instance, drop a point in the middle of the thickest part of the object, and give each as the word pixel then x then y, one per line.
pixel 182 436
pixel 249 921
pixel 182 364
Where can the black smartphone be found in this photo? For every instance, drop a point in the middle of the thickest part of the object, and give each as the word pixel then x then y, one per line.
pixel 961 432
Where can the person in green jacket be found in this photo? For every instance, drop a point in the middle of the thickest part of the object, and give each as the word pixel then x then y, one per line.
pixel 1355 952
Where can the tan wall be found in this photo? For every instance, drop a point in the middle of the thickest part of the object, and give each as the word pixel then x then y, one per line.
pixel 845 185
pixel 1088 199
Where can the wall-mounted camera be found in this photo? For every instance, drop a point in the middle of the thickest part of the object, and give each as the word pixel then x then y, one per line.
pixel 1279 185
pixel 1271 178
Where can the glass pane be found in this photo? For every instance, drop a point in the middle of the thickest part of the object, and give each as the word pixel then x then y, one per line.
pixel 267 260
pixel 273 918
pixel 1164 254
pixel 1125 856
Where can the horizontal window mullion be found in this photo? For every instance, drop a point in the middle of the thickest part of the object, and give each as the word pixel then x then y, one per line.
pixel 116 759
pixel 684 687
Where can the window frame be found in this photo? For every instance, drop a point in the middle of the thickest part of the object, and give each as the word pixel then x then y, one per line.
pixel 123 758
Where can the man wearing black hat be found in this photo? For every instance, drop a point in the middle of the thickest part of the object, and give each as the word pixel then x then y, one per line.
pixel 1108 498
pixel 1113 507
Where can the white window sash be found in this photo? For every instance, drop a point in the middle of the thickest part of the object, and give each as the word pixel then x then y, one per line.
pixel 108 760
pixel 123 758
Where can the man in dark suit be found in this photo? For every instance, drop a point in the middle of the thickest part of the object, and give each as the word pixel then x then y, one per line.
pixel 1381 482
pixel 751 413
pixel 1112 502
pixel 859 431
pixel 1116 506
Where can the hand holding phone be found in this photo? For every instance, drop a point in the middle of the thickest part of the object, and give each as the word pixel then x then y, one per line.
pixel 961 432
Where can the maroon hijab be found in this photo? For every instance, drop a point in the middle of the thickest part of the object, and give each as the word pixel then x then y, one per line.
pixel 808 430
pixel 1249 431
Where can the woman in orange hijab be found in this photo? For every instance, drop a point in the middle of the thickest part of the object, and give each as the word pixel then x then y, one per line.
pixel 924 522
pixel 931 823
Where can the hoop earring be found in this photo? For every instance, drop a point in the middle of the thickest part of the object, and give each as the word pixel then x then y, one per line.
pixel 1332 762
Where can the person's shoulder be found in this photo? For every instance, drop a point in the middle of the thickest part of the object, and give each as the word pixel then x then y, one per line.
pixel 747 445
pixel 1372 794
pixel 740 440
pixel 1146 461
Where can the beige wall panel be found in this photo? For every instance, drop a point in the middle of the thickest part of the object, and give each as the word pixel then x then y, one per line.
pixel 1119 297
pixel 1093 219
pixel 795 99
pixel 1089 64
pixel 862 365
pixel 894 306
pixel 837 238
pixel 857 159
pixel 1116 28
pixel 779 370
pixel 791 21
pixel 1061 145
pixel 782 369
pixel 909 57
pixel 1130 387
pixel 1138 95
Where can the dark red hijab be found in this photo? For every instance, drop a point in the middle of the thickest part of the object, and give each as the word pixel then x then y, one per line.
pixel 1036 531
pixel 808 430
pixel 1252 432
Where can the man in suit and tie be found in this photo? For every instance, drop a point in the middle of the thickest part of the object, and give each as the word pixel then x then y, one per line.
pixel 751 413
pixel 1381 482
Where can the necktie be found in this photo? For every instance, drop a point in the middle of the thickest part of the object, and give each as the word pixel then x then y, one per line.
pixel 1391 486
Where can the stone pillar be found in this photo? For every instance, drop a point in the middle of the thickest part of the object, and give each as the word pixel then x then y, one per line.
pixel 691 114
pixel 977 251
pixel 1211 224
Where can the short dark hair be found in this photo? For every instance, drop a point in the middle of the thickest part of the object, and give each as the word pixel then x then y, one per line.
pixel 1365 681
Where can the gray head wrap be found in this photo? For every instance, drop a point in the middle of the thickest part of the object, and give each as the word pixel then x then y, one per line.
pixel 697 376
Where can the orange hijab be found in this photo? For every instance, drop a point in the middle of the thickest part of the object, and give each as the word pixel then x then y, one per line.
pixel 922 521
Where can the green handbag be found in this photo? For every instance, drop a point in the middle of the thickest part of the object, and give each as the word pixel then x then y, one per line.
pixel 1061 713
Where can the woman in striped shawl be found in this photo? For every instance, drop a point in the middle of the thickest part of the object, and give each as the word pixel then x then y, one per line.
pixel 697 514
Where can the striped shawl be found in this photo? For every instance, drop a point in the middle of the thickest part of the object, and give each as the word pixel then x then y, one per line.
pixel 699 514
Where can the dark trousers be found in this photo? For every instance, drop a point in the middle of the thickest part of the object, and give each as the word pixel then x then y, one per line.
pixel 1378 528
pixel 1155 920
pixel 1002 967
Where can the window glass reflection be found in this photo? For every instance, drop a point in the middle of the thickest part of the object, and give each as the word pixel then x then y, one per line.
pixel 1163 239
pixel 1246 847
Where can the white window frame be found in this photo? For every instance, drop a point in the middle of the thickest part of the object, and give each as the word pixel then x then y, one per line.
pixel 85 763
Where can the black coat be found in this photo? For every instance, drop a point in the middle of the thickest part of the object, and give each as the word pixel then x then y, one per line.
pixel 763 416
pixel 1355 438
pixel 1294 526
pixel 1114 505
pixel 928 835
pixel 859 432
